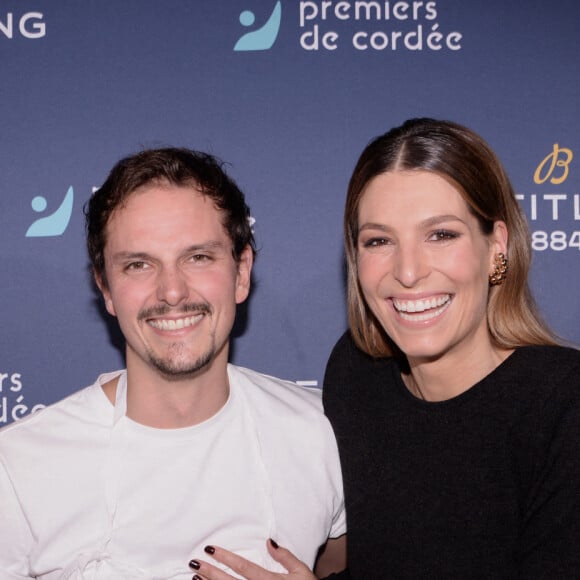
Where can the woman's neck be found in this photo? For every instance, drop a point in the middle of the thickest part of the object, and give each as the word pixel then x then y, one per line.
pixel 445 377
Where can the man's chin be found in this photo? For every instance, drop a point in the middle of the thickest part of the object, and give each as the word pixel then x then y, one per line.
pixel 182 371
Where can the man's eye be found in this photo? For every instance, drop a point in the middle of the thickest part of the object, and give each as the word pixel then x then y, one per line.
pixel 375 242
pixel 200 258
pixel 136 266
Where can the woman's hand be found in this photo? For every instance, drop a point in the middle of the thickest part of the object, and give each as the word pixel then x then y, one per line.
pixel 297 570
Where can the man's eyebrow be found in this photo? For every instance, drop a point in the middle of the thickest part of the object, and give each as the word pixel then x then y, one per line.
pixel 205 246
pixel 124 256
pixel 209 245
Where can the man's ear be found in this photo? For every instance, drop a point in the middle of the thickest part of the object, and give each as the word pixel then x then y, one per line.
pixel 102 285
pixel 243 277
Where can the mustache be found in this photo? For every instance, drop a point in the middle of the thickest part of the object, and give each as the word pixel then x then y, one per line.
pixel 163 309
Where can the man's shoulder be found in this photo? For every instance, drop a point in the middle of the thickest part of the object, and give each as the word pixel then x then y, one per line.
pixel 281 393
pixel 286 415
pixel 81 406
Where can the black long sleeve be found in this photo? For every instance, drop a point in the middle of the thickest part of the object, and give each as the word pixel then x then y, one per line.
pixel 483 486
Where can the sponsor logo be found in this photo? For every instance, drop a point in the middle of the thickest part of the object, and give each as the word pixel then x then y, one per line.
pixel 378 26
pixel 29 25
pixel 262 38
pixel 12 405
pixel 311 384
pixel 559 158
pixel 360 25
pixel 553 169
pixel 54 224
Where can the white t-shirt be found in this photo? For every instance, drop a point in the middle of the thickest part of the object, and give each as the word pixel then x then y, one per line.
pixel 86 493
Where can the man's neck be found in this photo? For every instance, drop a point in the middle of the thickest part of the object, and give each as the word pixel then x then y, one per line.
pixel 162 403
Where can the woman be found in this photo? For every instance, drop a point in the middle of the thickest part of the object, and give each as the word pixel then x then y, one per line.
pixel 457 414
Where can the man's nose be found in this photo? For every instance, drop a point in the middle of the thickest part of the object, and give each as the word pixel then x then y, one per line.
pixel 171 286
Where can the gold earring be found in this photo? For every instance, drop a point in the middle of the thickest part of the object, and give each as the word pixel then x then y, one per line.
pixel 500 268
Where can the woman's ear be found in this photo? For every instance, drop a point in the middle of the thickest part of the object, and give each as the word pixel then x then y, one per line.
pixel 499 239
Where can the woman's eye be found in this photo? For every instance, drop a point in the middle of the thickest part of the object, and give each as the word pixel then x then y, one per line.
pixel 442 235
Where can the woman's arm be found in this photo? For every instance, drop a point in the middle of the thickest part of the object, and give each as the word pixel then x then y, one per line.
pixel 331 558
pixel 334 553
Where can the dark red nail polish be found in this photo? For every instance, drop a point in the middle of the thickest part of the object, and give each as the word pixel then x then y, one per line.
pixel 274 544
pixel 196 577
pixel 209 550
pixel 194 564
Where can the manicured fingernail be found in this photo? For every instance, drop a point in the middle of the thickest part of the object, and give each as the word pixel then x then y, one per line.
pixel 194 564
pixel 209 550
pixel 196 577
pixel 274 544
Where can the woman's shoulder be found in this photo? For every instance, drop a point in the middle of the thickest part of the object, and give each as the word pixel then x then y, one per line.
pixel 348 362
pixel 542 376
pixel 547 360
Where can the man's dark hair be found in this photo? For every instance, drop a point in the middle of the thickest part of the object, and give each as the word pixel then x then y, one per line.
pixel 169 166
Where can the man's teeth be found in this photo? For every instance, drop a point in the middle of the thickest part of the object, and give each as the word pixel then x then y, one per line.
pixel 171 324
pixel 406 307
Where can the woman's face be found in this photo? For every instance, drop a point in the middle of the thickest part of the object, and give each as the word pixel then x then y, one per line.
pixel 423 265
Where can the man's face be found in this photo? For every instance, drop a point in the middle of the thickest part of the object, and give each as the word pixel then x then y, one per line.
pixel 173 283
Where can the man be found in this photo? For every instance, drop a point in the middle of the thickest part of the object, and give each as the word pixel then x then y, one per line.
pixel 134 475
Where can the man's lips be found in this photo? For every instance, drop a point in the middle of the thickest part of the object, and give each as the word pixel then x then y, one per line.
pixel 174 323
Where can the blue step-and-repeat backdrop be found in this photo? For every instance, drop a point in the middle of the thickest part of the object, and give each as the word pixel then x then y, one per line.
pixel 288 93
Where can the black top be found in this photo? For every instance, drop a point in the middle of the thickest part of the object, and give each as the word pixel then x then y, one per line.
pixel 484 485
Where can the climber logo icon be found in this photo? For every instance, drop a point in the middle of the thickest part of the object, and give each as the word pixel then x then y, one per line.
pixel 54 224
pixel 262 38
